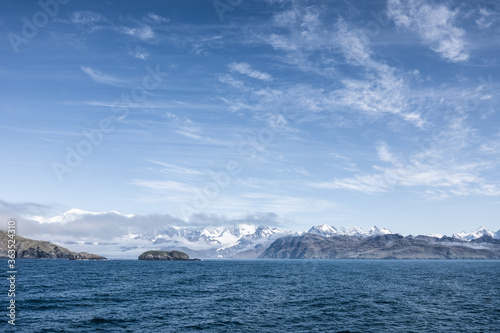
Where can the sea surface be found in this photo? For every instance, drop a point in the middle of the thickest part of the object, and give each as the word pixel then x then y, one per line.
pixel 254 296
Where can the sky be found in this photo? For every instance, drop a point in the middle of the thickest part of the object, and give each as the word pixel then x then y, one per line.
pixel 286 113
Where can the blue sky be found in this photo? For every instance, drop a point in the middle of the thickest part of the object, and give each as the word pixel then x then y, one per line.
pixel 297 112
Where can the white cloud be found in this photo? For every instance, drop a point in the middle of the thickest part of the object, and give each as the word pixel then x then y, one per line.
pixel 86 17
pixel 170 169
pixel 229 79
pixel 301 171
pixel 376 91
pixel 354 44
pixel 491 146
pixel 168 185
pixel 434 23
pixel 189 134
pixel 410 176
pixel 377 96
pixel 244 68
pixel 379 90
pixel 361 183
pixel 304 38
pixel 431 170
pixel 486 18
pixel 143 33
pixel 155 18
pixel 71 216
pixel 345 162
pixel 139 53
pixel 100 77
pixel 281 204
pixel 113 228
pixel 382 90
pixel 78 225
pixel 385 154
pixel 286 19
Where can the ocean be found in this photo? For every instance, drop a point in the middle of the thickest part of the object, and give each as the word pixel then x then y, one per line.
pixel 254 296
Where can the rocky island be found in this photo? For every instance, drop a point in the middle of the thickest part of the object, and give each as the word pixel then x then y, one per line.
pixel 166 255
pixel 33 249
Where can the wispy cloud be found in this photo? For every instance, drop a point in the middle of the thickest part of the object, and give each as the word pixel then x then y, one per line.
pixel 24 208
pixel 345 162
pixel 155 18
pixel 139 53
pixel 434 23
pixel 385 154
pixel 491 146
pixel 167 105
pixel 284 205
pixel 305 39
pixel 377 91
pixel 86 17
pixel 168 185
pixel 486 18
pixel 301 171
pixel 229 79
pixel 175 169
pixel 431 171
pixel 383 90
pixel 202 138
pixel 244 68
pixel 191 135
pixel 100 77
pixel 143 33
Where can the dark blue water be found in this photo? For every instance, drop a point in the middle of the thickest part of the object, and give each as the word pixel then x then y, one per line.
pixel 255 296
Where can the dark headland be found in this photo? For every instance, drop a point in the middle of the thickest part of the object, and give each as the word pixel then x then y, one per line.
pixel 33 249
pixel 392 246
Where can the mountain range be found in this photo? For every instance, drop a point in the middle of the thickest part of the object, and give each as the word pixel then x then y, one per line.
pixel 236 241
pixel 119 235
pixel 478 233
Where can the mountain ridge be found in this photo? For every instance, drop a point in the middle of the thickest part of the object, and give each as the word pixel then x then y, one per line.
pixel 392 246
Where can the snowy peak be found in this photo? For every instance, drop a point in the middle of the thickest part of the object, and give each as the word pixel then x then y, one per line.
pixel 352 231
pixel 323 230
pixel 376 231
pixel 240 231
pixel 330 231
pixel 478 233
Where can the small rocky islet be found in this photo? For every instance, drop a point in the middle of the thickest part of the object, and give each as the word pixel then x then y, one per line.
pixel 166 255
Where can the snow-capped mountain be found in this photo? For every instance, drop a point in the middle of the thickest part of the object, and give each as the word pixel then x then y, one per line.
pixel 323 230
pixel 330 231
pixel 480 232
pixel 213 241
pixel 376 231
